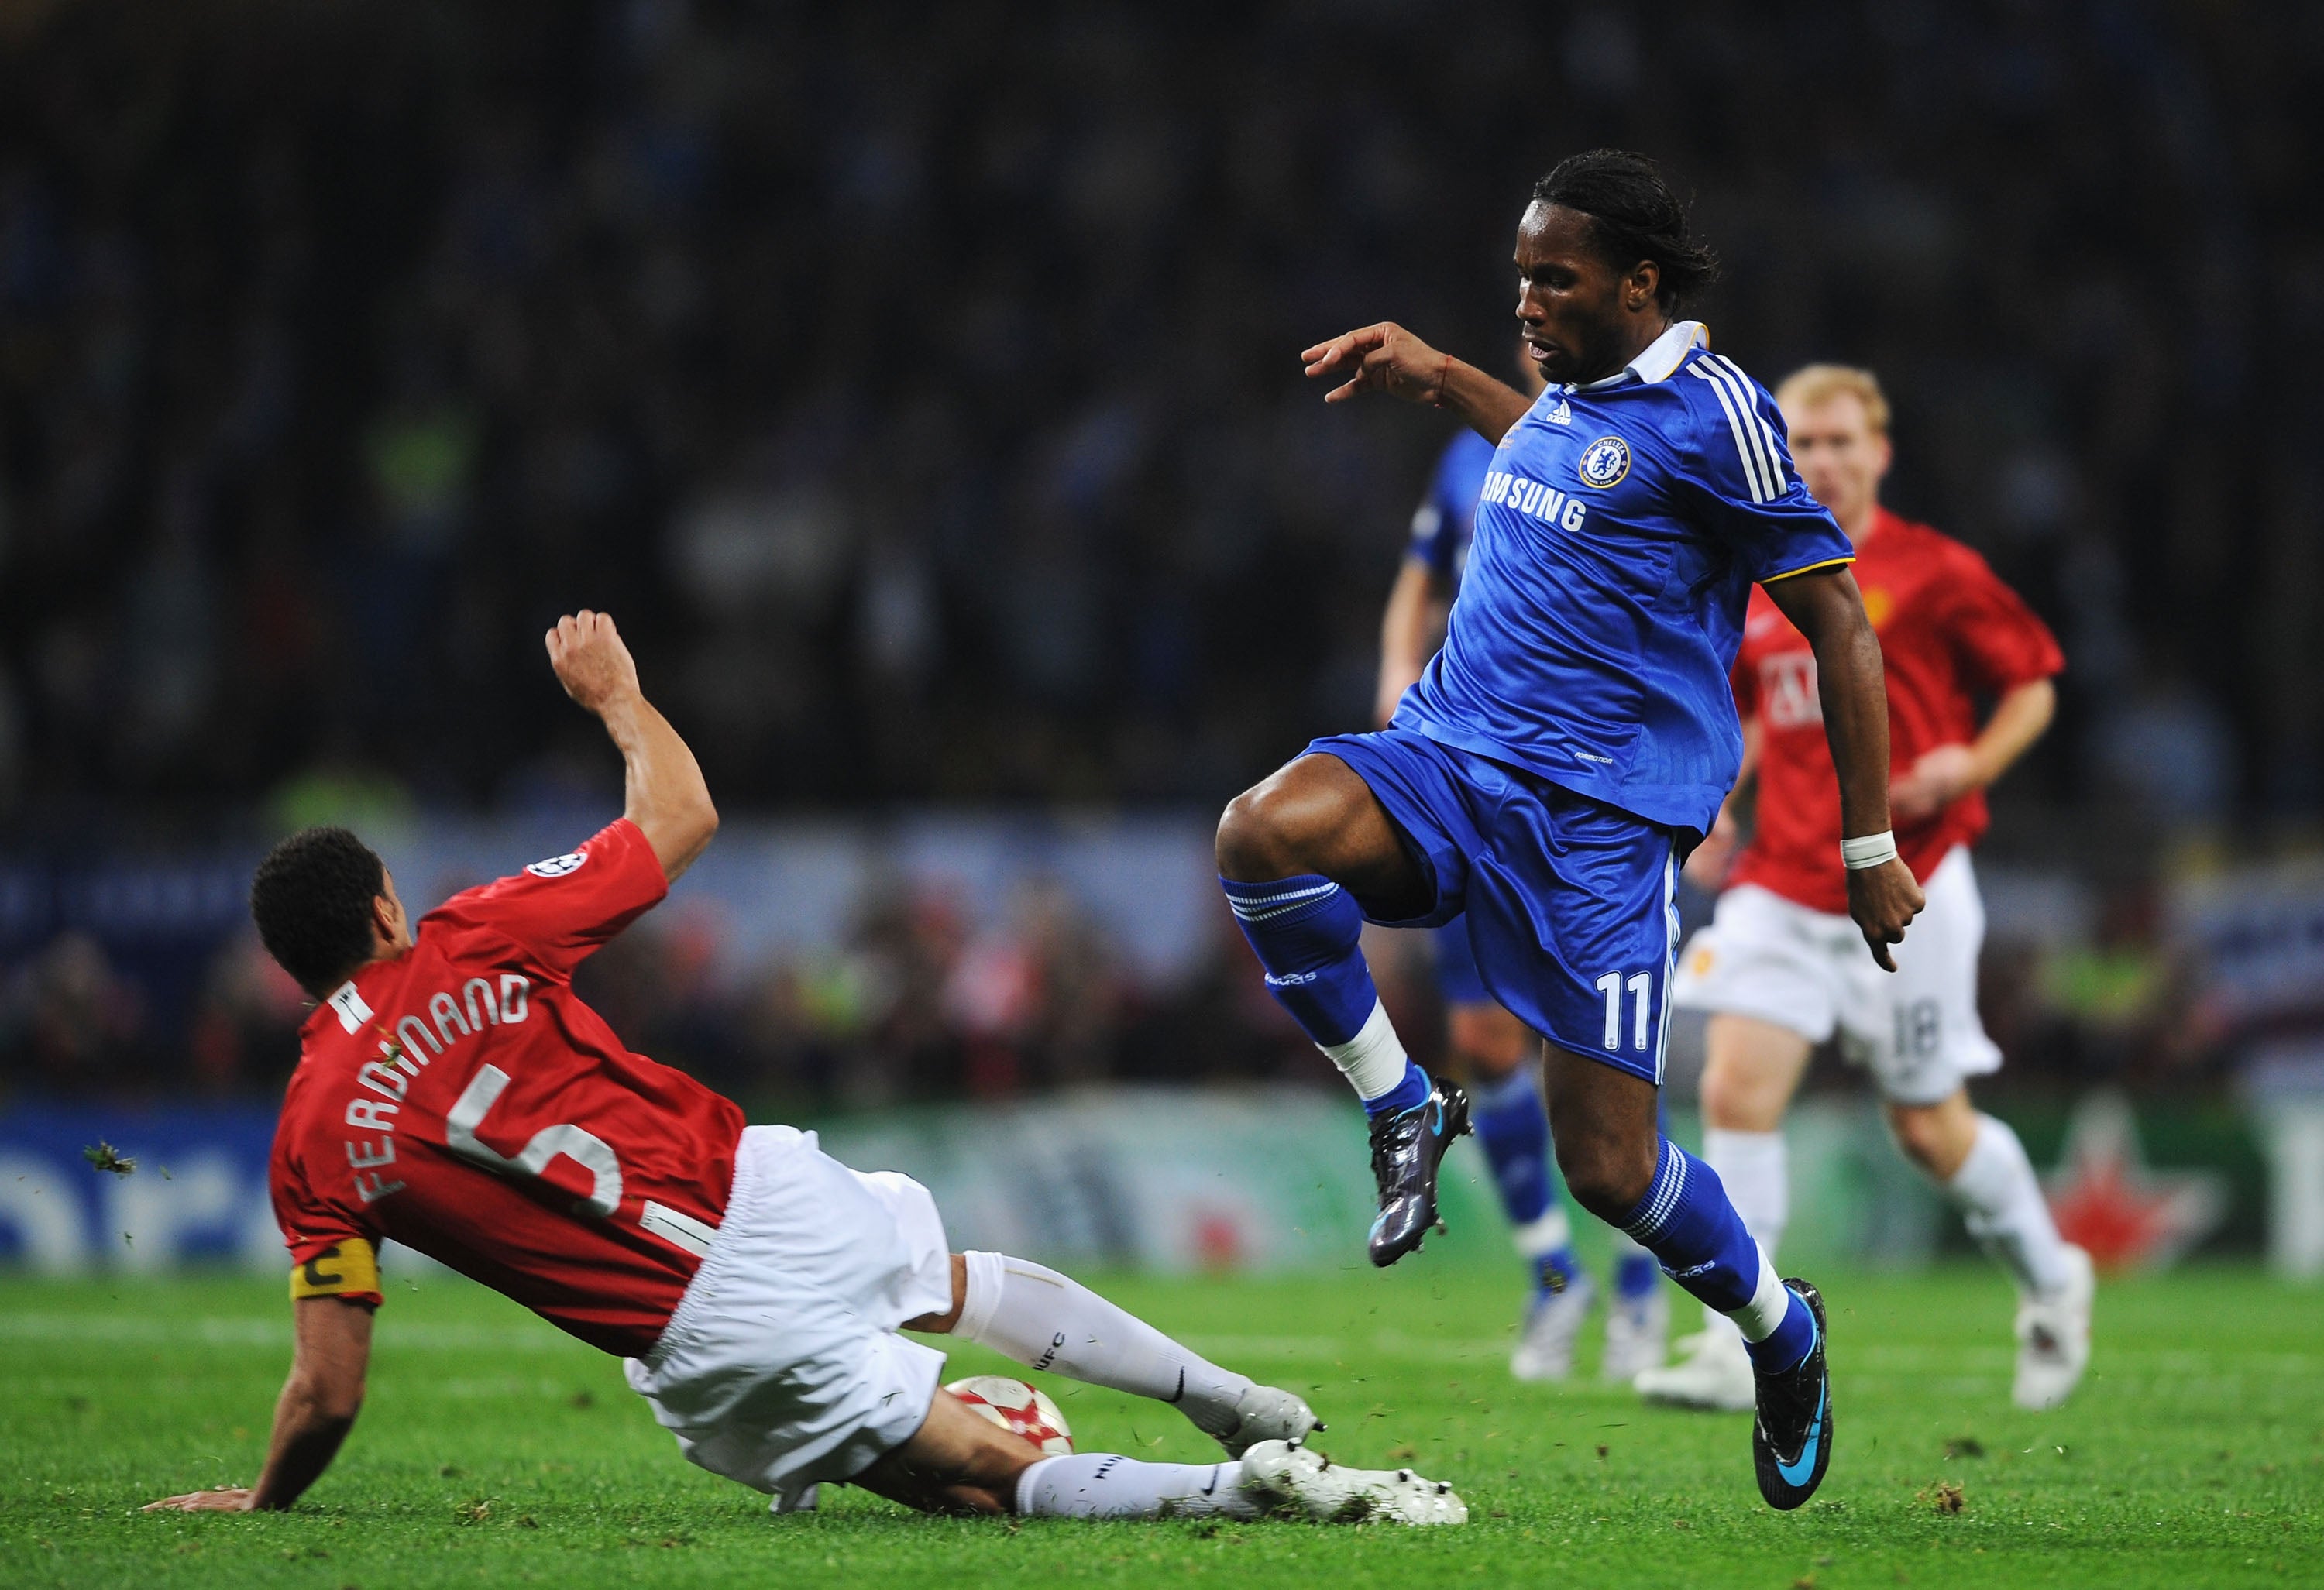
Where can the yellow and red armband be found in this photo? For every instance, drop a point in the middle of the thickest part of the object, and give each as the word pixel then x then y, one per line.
pixel 347 1269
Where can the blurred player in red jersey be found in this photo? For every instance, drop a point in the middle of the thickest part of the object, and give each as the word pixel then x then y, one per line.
pixel 454 1094
pixel 1781 967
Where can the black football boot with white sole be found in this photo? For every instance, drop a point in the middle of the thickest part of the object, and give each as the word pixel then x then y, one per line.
pixel 1406 1147
pixel 1791 1439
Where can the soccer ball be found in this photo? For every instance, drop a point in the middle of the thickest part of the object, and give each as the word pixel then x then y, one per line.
pixel 1016 1407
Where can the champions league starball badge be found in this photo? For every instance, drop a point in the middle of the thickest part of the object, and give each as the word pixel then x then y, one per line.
pixel 1604 462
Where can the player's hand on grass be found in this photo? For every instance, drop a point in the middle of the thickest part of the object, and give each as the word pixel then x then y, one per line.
pixel 1884 900
pixel 590 662
pixel 1943 776
pixel 1382 358
pixel 224 1499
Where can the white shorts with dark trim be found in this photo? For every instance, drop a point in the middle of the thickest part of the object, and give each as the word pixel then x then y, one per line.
pixel 781 1366
pixel 1915 1029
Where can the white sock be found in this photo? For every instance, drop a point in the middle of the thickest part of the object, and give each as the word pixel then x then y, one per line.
pixel 1755 1167
pixel 2001 1202
pixel 1045 1320
pixel 1756 1170
pixel 1771 1300
pixel 1100 1485
pixel 1373 1061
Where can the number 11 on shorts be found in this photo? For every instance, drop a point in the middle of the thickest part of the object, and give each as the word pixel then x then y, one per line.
pixel 1642 989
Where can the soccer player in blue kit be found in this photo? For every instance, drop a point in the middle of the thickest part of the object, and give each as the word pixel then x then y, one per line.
pixel 1492 1050
pixel 1571 741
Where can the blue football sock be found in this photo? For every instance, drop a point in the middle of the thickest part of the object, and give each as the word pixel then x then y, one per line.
pixel 1693 1232
pixel 1513 1129
pixel 1307 932
pixel 1636 1275
pixel 1410 1093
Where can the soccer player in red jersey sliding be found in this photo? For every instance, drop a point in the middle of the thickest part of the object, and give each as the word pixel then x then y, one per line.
pixel 454 1095
pixel 1779 969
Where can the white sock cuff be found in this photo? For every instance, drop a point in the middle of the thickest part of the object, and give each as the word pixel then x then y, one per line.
pixel 1373 1061
pixel 1027 1480
pixel 979 1293
pixel 1770 1301
pixel 1544 1235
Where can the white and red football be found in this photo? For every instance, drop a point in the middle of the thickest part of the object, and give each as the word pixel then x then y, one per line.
pixel 1017 1407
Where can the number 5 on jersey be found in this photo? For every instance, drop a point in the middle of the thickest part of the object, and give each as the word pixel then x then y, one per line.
pixel 585 1148
pixel 1641 986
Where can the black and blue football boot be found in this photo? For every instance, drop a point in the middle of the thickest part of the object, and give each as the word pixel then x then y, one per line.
pixel 1406 1147
pixel 1791 1438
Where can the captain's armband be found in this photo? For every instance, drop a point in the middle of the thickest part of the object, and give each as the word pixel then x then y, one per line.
pixel 347 1269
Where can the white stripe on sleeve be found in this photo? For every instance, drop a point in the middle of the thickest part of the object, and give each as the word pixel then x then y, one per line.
pixel 1735 423
pixel 1774 453
pixel 1747 413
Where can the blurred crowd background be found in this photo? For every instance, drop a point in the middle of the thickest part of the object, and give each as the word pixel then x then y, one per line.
pixel 919 386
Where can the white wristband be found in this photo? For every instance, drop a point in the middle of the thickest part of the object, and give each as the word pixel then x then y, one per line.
pixel 1871 849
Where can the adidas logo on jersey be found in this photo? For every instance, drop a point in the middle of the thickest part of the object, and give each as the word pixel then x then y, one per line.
pixel 1562 414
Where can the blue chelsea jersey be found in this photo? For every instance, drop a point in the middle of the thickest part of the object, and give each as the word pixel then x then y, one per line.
pixel 1446 517
pixel 1618 535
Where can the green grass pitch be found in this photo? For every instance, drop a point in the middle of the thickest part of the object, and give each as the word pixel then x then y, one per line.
pixel 495 1451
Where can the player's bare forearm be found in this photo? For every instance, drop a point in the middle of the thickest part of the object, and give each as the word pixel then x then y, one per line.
pixel 1408 633
pixel 2020 718
pixel 1825 606
pixel 317 1408
pixel 665 795
pixel 307 1434
pixel 1386 358
pixel 664 791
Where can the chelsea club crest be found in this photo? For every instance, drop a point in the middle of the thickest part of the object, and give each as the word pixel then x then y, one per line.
pixel 1604 462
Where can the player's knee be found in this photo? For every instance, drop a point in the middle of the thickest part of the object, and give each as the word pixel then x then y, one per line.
pixel 1258 837
pixel 1606 1177
pixel 1734 1101
pixel 1929 1136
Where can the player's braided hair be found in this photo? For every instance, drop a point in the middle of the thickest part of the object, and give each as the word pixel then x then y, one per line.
pixel 1636 216
pixel 311 900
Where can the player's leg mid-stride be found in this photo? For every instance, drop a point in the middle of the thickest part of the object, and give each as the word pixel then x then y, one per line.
pixel 1285 850
pixel 1498 1053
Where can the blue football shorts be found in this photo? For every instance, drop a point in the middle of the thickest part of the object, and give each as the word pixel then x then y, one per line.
pixel 1572 905
pixel 1458 981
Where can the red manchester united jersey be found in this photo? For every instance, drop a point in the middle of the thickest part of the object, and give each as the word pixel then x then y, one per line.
pixel 1950 632
pixel 462 1100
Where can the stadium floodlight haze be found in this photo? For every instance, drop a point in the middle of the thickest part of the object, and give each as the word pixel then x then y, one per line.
pixel 745 719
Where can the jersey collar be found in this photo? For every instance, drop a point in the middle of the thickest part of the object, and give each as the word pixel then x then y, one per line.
pixel 1660 358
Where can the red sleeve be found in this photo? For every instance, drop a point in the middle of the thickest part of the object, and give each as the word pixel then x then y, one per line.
pixel 2000 643
pixel 1744 680
pixel 331 1255
pixel 561 909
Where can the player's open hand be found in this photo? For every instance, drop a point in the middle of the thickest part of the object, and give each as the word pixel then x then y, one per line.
pixel 1382 358
pixel 224 1499
pixel 1884 900
pixel 590 662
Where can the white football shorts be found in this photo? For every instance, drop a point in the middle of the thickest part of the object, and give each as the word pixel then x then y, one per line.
pixel 1916 1029
pixel 781 1366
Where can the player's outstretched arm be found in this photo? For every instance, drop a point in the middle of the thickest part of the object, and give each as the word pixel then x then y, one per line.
pixel 317 1409
pixel 1386 358
pixel 666 797
pixel 1825 606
